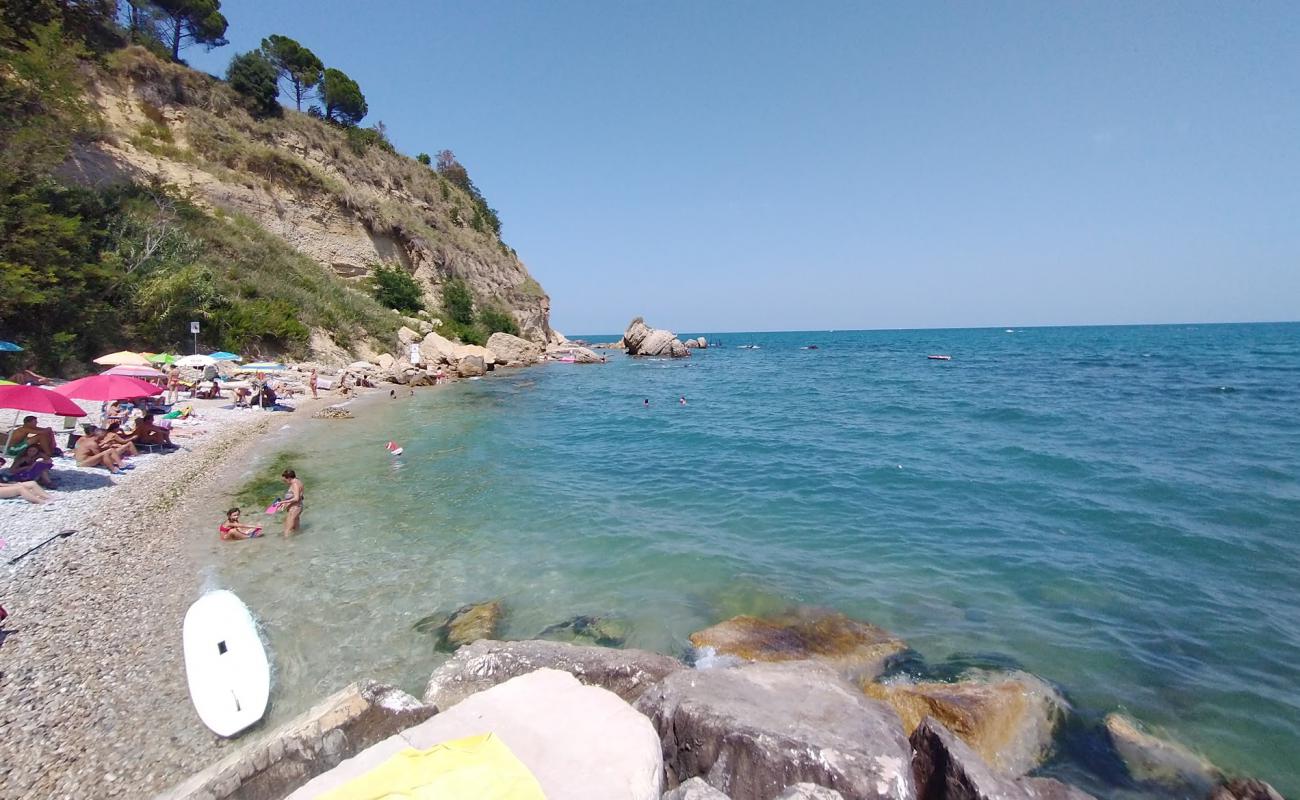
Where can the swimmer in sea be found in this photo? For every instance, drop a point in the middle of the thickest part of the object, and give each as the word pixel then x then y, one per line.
pixel 683 399
pixel 232 529
pixel 647 403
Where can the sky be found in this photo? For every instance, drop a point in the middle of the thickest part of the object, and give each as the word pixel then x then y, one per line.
pixel 746 166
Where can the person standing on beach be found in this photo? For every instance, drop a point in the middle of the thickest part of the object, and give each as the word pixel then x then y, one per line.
pixel 292 502
pixel 173 384
pixel 311 382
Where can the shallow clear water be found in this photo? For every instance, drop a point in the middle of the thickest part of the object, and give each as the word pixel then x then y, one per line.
pixel 1115 509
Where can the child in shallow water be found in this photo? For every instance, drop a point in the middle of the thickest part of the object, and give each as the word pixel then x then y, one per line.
pixel 232 529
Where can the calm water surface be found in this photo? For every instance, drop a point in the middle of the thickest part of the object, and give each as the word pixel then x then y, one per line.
pixel 1115 509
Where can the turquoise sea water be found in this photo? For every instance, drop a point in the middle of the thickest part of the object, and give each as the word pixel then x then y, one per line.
pixel 1115 509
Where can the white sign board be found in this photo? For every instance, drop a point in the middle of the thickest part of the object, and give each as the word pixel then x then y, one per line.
pixel 194 327
pixel 415 354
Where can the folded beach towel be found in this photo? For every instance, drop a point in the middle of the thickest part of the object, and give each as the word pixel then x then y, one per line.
pixel 474 768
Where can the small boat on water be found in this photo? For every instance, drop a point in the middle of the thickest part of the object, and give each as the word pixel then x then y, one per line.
pixel 940 358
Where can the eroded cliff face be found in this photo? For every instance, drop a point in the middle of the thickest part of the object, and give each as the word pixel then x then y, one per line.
pixel 349 208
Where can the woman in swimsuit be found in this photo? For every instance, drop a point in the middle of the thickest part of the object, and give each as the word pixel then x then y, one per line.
pixel 232 529
pixel 292 502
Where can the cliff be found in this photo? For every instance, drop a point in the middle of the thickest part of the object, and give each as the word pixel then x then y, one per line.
pixel 341 197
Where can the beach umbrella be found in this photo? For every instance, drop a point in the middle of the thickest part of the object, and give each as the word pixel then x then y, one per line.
pixel 162 358
pixel 134 371
pixel 9 347
pixel 195 361
pixel 38 400
pixel 123 357
pixel 107 387
pixel 262 366
pixel 222 355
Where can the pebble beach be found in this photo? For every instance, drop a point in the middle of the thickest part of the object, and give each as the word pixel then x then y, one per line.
pixel 93 699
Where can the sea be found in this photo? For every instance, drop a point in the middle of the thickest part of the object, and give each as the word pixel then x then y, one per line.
pixel 1114 509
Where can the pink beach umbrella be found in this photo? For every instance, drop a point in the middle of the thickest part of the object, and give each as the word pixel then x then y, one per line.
pixel 132 371
pixel 39 401
pixel 107 387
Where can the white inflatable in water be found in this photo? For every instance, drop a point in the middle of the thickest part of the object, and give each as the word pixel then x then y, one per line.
pixel 225 663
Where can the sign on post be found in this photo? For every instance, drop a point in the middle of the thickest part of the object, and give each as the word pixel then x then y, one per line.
pixel 194 327
pixel 415 354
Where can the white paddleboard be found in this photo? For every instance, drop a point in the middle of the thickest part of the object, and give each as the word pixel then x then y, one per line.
pixel 225 663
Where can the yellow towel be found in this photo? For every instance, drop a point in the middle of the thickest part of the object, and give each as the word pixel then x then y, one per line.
pixel 473 768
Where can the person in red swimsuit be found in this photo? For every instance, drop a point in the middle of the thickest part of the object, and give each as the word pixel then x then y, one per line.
pixel 232 529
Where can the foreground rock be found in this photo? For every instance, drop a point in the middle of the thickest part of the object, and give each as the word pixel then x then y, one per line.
pixel 484 664
pixel 580 742
pixel 1151 759
pixel 756 729
pixel 694 789
pixel 858 650
pixel 1009 719
pixel 641 340
pixel 463 626
pixel 946 768
pixel 336 729
pixel 514 351
pixel 809 791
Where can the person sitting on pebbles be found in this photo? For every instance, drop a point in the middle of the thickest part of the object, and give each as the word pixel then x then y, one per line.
pixel 89 452
pixel 146 432
pixel 35 436
pixel 233 530
pixel 29 465
pixel 112 436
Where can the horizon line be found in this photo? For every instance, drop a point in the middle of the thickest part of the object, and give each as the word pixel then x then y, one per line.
pixel 987 327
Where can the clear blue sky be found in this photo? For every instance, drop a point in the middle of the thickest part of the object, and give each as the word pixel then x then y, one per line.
pixel 771 166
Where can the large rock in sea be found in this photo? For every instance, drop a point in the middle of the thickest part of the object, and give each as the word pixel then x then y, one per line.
pixel 514 351
pixel 753 730
pixel 1150 759
pixel 484 664
pixel 579 742
pixel 1008 718
pixel 641 340
pixel 587 629
pixel 471 367
pixel 858 650
pixel 463 626
pixel 335 729
pixel 946 768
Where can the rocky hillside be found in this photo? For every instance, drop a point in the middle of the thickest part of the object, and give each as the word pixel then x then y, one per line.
pixel 342 197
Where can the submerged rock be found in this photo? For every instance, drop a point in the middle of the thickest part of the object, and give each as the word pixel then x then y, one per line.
pixel 754 730
pixel 1151 759
pixel 641 340
pixel 946 768
pixel 463 626
pixel 858 650
pixel 1245 789
pixel 1007 718
pixel 583 629
pixel 332 412
pixel 483 664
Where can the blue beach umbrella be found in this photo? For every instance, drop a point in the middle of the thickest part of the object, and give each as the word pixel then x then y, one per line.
pixel 222 355
pixel 9 347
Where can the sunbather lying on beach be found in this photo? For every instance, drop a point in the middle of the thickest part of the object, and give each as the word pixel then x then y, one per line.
pixel 40 438
pixel 232 529
pixel 29 466
pixel 27 490
pixel 146 432
pixel 89 453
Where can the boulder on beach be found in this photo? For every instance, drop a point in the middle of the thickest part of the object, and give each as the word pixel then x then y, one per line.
pixel 463 626
pixel 437 349
pixel 514 351
pixel 858 650
pixel 1008 718
pixel 344 724
pixel 463 351
pixel 585 629
pixel 946 768
pixel 471 366
pixel 484 664
pixel 753 730
pixel 641 340
pixel 1151 759
pixel 385 361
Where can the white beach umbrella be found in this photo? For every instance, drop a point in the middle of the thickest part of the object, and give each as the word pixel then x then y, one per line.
pixel 195 361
